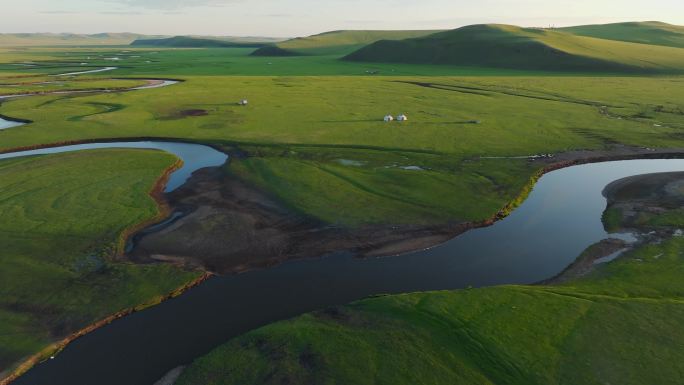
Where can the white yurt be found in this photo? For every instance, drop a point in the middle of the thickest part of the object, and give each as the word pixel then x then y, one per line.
pixel 402 118
pixel 244 102
pixel 388 118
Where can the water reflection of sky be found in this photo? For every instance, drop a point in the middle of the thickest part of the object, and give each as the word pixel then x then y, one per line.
pixel 194 156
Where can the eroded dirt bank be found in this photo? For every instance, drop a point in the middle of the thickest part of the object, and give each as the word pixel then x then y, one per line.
pixel 229 226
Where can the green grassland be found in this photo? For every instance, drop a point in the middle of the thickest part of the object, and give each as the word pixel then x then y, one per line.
pixel 302 130
pixel 340 42
pixel 315 139
pixel 651 32
pixel 559 114
pixel 620 325
pixel 212 62
pixel 507 46
pixel 63 216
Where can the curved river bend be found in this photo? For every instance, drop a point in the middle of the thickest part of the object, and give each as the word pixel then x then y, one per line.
pixel 559 220
pixel 194 156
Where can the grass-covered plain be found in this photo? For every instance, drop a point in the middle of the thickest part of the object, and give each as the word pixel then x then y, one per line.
pixel 324 136
pixel 63 218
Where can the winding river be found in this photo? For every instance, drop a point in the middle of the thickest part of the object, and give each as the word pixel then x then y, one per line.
pixel 556 223
pixel 559 220
pixel 152 83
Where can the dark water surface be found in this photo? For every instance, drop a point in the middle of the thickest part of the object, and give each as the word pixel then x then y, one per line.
pixel 559 220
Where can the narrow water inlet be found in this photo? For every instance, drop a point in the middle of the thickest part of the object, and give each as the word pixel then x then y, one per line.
pixel 6 123
pixel 194 156
pixel 105 69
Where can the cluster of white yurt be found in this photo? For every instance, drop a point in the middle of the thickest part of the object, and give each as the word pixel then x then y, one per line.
pixel 400 118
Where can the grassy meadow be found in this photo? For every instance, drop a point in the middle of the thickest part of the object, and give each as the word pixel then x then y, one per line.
pixel 321 139
pixel 63 216
pixel 314 139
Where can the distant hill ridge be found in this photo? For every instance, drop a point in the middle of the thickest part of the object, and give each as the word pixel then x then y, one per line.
pixel 339 43
pixel 648 32
pixel 507 46
pixel 197 42
pixel 47 39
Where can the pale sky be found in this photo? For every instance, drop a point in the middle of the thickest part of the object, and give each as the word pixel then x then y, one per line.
pixel 288 18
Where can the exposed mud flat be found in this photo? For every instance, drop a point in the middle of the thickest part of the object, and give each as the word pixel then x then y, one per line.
pixel 589 259
pixel 229 226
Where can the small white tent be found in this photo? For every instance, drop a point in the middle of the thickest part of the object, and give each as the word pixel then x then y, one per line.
pixel 243 102
pixel 402 118
pixel 388 118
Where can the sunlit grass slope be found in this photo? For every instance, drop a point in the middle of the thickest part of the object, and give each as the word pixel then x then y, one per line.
pixel 649 32
pixel 62 218
pixel 340 42
pixel 508 46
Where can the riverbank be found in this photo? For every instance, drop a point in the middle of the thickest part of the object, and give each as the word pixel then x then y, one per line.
pixel 590 330
pixel 232 226
pixel 529 246
pixel 214 187
pixel 54 349
pixel 250 201
pixel 590 322
pixel 81 179
pixel 148 84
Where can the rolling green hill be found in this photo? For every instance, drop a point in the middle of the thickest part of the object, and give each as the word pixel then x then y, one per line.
pixel 335 42
pixel 196 42
pixel 506 46
pixel 650 32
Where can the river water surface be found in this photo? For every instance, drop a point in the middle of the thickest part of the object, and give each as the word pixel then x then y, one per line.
pixel 194 156
pixel 559 220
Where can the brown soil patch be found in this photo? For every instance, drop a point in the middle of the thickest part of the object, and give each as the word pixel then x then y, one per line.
pixel 233 227
pixel 194 112
pixel 586 262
